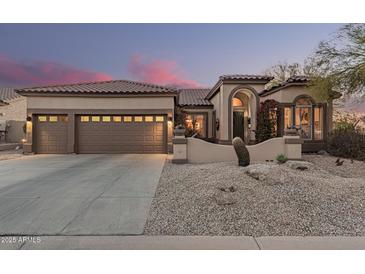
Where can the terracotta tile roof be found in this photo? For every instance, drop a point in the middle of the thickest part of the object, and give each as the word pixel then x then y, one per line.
pixel 243 77
pixel 193 97
pixel 105 87
pixel 298 79
pixel 8 94
pixel 294 80
pixel 246 77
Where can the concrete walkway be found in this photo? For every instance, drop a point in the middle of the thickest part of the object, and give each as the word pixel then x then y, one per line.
pixel 182 243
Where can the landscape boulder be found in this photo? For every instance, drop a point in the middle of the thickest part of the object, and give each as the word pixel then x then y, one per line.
pixel 259 171
pixel 299 165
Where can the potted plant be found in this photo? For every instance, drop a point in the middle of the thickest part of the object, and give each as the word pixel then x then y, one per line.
pixel 292 131
pixel 179 130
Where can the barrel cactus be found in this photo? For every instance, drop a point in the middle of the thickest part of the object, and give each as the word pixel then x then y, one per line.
pixel 241 151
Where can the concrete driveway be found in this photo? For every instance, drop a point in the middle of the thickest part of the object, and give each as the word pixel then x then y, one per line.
pixel 77 194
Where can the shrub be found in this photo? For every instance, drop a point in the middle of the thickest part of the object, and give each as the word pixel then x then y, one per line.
pixel 281 158
pixel 241 151
pixel 347 142
pixel 267 120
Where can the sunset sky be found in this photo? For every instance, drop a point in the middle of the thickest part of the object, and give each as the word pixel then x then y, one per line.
pixel 188 55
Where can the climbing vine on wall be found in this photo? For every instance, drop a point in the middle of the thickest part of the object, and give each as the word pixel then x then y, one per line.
pixel 267 120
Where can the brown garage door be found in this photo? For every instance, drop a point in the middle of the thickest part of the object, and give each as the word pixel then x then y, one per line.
pixel 121 134
pixel 51 133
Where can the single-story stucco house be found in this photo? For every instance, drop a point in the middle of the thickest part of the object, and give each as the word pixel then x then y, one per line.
pixel 132 117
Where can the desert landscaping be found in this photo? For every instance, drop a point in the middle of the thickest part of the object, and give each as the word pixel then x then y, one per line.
pixel 313 197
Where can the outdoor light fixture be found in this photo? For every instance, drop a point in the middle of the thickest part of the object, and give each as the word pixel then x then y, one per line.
pixel 169 122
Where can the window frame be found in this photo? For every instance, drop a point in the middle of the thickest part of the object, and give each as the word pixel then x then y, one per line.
pixel 312 107
pixel 205 115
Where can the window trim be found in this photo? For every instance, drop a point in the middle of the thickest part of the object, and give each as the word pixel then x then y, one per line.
pixel 312 107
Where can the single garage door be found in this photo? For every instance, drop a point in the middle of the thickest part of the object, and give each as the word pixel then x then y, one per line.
pixel 121 134
pixel 51 133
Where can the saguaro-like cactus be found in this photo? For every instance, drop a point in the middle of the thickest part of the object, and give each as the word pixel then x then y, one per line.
pixel 241 151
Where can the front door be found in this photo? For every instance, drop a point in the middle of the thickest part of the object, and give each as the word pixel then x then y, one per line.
pixel 238 124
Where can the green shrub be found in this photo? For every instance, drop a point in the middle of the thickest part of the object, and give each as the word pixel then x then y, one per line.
pixel 281 158
pixel 241 151
pixel 347 142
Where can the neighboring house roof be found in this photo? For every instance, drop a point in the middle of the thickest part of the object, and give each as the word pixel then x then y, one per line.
pixel 238 77
pixel 292 81
pixel 8 94
pixel 2 103
pixel 105 87
pixel 193 97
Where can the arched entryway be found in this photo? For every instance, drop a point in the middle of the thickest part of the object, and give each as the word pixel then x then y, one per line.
pixel 243 109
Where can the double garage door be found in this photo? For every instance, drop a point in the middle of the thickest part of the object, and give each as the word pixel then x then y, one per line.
pixel 103 134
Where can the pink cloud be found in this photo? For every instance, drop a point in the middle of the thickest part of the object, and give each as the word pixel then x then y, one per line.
pixel 162 72
pixel 44 73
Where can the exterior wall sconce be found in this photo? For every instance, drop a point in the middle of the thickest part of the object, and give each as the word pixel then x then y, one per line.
pixel 169 121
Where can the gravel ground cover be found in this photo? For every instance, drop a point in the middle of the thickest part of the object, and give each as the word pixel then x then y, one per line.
pixel 273 199
pixel 11 154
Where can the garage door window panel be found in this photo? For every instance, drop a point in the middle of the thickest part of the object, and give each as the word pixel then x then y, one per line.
pixel 106 119
pixel 42 118
pixel 148 119
pixel 53 119
pixel 84 119
pixel 127 119
pixel 160 118
pixel 117 119
pixel 95 119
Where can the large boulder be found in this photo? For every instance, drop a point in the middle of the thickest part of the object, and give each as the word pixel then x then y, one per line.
pixel 259 171
pixel 299 165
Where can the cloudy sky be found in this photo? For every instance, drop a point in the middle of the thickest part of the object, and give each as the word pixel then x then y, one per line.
pixel 173 54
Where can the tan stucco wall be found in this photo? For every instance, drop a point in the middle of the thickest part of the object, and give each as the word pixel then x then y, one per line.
pixel 216 106
pixel 38 102
pixel 287 95
pixel 70 105
pixel 199 151
pixel 16 110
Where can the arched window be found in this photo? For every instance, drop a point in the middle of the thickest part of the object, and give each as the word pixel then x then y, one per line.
pixel 237 102
pixel 305 115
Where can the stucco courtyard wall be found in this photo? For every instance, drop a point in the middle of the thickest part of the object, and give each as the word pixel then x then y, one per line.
pixel 14 113
pixel 200 151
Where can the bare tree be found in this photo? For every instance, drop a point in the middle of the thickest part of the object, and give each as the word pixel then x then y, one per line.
pixel 282 71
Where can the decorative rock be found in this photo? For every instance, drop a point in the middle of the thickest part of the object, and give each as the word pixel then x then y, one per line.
pixel 322 152
pixel 258 171
pixel 228 189
pixel 225 198
pixel 301 165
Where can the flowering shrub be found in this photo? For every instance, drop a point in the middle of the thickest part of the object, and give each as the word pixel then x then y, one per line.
pixel 267 121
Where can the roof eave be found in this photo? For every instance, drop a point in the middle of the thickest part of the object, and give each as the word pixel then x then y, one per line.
pixel 214 90
pixel 274 90
pixel 78 94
